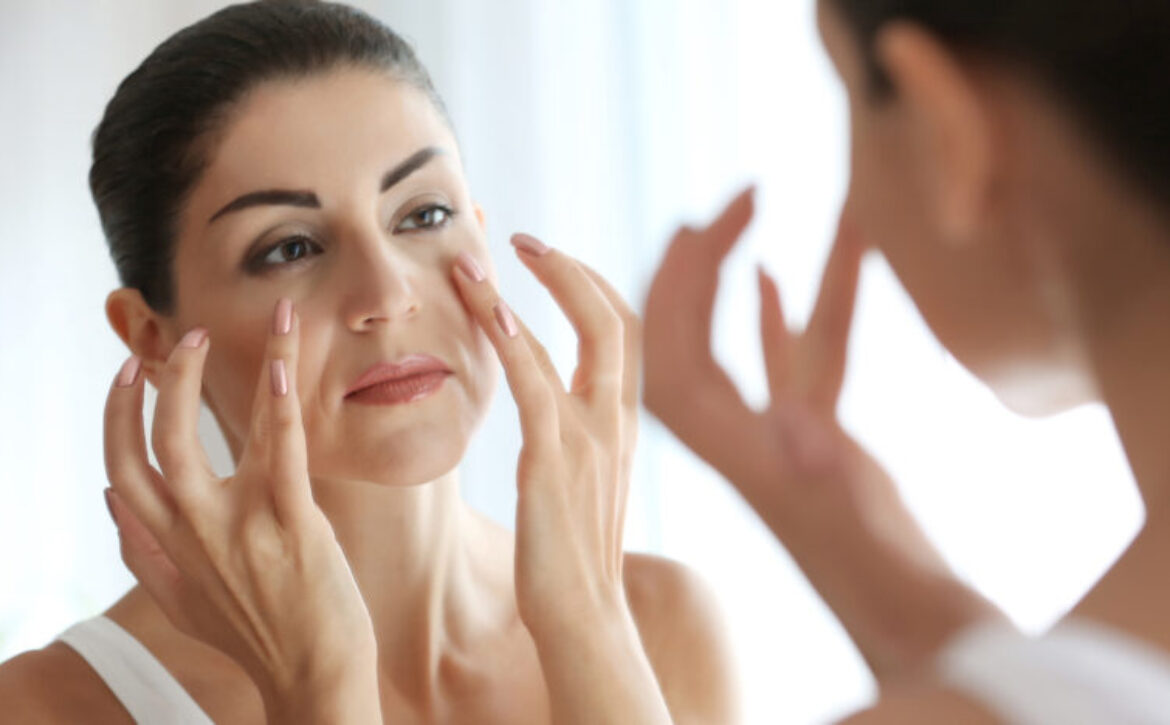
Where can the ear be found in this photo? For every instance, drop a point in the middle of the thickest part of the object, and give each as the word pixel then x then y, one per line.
pixel 143 330
pixel 951 128
pixel 480 216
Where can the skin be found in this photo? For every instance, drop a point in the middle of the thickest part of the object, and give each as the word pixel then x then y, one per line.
pixel 399 603
pixel 1033 261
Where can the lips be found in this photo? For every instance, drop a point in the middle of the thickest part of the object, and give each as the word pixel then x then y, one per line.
pixel 400 371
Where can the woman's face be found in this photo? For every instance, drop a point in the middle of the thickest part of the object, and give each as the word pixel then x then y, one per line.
pixel 375 212
pixel 994 298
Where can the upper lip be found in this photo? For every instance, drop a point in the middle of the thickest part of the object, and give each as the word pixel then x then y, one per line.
pixel 380 372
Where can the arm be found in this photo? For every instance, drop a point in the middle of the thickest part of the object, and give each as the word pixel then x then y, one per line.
pixel 259 577
pixel 820 493
pixel 572 482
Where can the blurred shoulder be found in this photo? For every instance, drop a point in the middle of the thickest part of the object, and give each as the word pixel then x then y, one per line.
pixel 683 634
pixel 926 705
pixel 55 685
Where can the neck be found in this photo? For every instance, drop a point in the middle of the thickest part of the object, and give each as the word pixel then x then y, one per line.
pixel 420 558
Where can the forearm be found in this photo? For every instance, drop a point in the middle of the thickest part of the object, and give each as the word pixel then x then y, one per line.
pixel 894 595
pixel 597 673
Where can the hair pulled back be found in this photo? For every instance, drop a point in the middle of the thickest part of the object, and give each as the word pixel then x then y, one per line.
pixel 1108 62
pixel 158 130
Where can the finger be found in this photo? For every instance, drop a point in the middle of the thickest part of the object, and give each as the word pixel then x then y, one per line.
pixel 774 336
pixel 174 435
pixel 632 344
pixel 598 375
pixel 145 558
pixel 127 466
pixel 535 397
pixel 680 306
pixel 276 441
pixel 827 335
pixel 722 233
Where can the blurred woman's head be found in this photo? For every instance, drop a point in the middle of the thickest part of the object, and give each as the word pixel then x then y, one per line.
pixel 988 139
pixel 298 149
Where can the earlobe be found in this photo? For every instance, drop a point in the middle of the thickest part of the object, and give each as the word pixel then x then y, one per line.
pixel 139 327
pixel 951 134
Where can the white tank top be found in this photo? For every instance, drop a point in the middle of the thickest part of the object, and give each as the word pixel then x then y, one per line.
pixel 145 688
pixel 1079 673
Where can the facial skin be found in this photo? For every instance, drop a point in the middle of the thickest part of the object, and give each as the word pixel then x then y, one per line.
pixel 368 272
pixel 942 183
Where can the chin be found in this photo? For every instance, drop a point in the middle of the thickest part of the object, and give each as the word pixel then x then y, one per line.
pixel 410 458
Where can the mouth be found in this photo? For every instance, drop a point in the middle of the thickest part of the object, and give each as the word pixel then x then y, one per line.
pixel 407 380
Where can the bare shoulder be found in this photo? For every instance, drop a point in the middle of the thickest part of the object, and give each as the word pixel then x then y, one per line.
pixel 683 633
pixel 55 685
pixel 933 705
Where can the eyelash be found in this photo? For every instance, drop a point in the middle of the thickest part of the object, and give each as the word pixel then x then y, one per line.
pixel 257 263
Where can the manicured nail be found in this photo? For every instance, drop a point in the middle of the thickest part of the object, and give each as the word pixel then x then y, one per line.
pixel 129 372
pixel 282 320
pixel 470 267
pixel 279 378
pixel 194 338
pixel 530 244
pixel 505 319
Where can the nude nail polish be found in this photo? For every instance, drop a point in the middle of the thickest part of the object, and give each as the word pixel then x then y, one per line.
pixel 530 244
pixel 470 267
pixel 282 319
pixel 129 372
pixel 194 338
pixel 279 378
pixel 505 319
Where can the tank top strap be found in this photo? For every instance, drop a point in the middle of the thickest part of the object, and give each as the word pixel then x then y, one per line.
pixel 1079 673
pixel 144 687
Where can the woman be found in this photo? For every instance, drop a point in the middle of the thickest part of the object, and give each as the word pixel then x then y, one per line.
pixel 1011 161
pixel 284 199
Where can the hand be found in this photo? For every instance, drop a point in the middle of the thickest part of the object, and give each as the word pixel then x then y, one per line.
pixel 573 480
pixel 247 564
pixel 822 494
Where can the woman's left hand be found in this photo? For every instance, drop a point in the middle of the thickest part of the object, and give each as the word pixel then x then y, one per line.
pixel 573 479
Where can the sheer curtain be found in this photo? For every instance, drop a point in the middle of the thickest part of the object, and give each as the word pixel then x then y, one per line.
pixel 599 126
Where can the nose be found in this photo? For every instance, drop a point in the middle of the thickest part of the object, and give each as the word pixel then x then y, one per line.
pixel 380 287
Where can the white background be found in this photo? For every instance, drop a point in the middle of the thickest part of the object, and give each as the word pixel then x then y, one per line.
pixel 598 125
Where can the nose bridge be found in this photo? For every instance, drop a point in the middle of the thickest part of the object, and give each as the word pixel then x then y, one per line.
pixel 377 279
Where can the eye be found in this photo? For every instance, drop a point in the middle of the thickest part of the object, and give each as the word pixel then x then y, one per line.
pixel 286 251
pixel 431 216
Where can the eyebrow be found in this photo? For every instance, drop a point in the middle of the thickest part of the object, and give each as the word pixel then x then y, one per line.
pixel 307 199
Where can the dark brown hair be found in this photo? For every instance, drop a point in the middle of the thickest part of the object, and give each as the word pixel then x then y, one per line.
pixel 154 139
pixel 1108 61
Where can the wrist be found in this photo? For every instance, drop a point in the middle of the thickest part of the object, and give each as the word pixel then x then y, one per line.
pixel 349 695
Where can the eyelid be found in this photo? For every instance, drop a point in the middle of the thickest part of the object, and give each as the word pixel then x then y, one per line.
pixel 419 203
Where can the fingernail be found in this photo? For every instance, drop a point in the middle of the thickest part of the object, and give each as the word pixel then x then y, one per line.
pixel 282 321
pixel 505 319
pixel 109 495
pixel 279 378
pixel 129 372
pixel 470 267
pixel 194 338
pixel 530 244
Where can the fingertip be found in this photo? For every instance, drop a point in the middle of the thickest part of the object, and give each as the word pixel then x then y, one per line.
pixel 129 372
pixel 529 245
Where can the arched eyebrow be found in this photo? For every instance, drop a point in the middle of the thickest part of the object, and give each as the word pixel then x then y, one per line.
pixel 308 199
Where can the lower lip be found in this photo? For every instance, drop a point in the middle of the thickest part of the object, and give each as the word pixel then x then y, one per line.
pixel 401 390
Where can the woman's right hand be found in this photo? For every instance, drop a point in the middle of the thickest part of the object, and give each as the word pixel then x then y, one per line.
pixel 247 564
pixel 829 501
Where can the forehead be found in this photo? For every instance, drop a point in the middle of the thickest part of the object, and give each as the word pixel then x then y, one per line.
pixel 321 131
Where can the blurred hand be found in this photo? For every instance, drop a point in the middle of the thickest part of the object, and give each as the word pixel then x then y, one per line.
pixel 573 481
pixel 822 494
pixel 247 564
